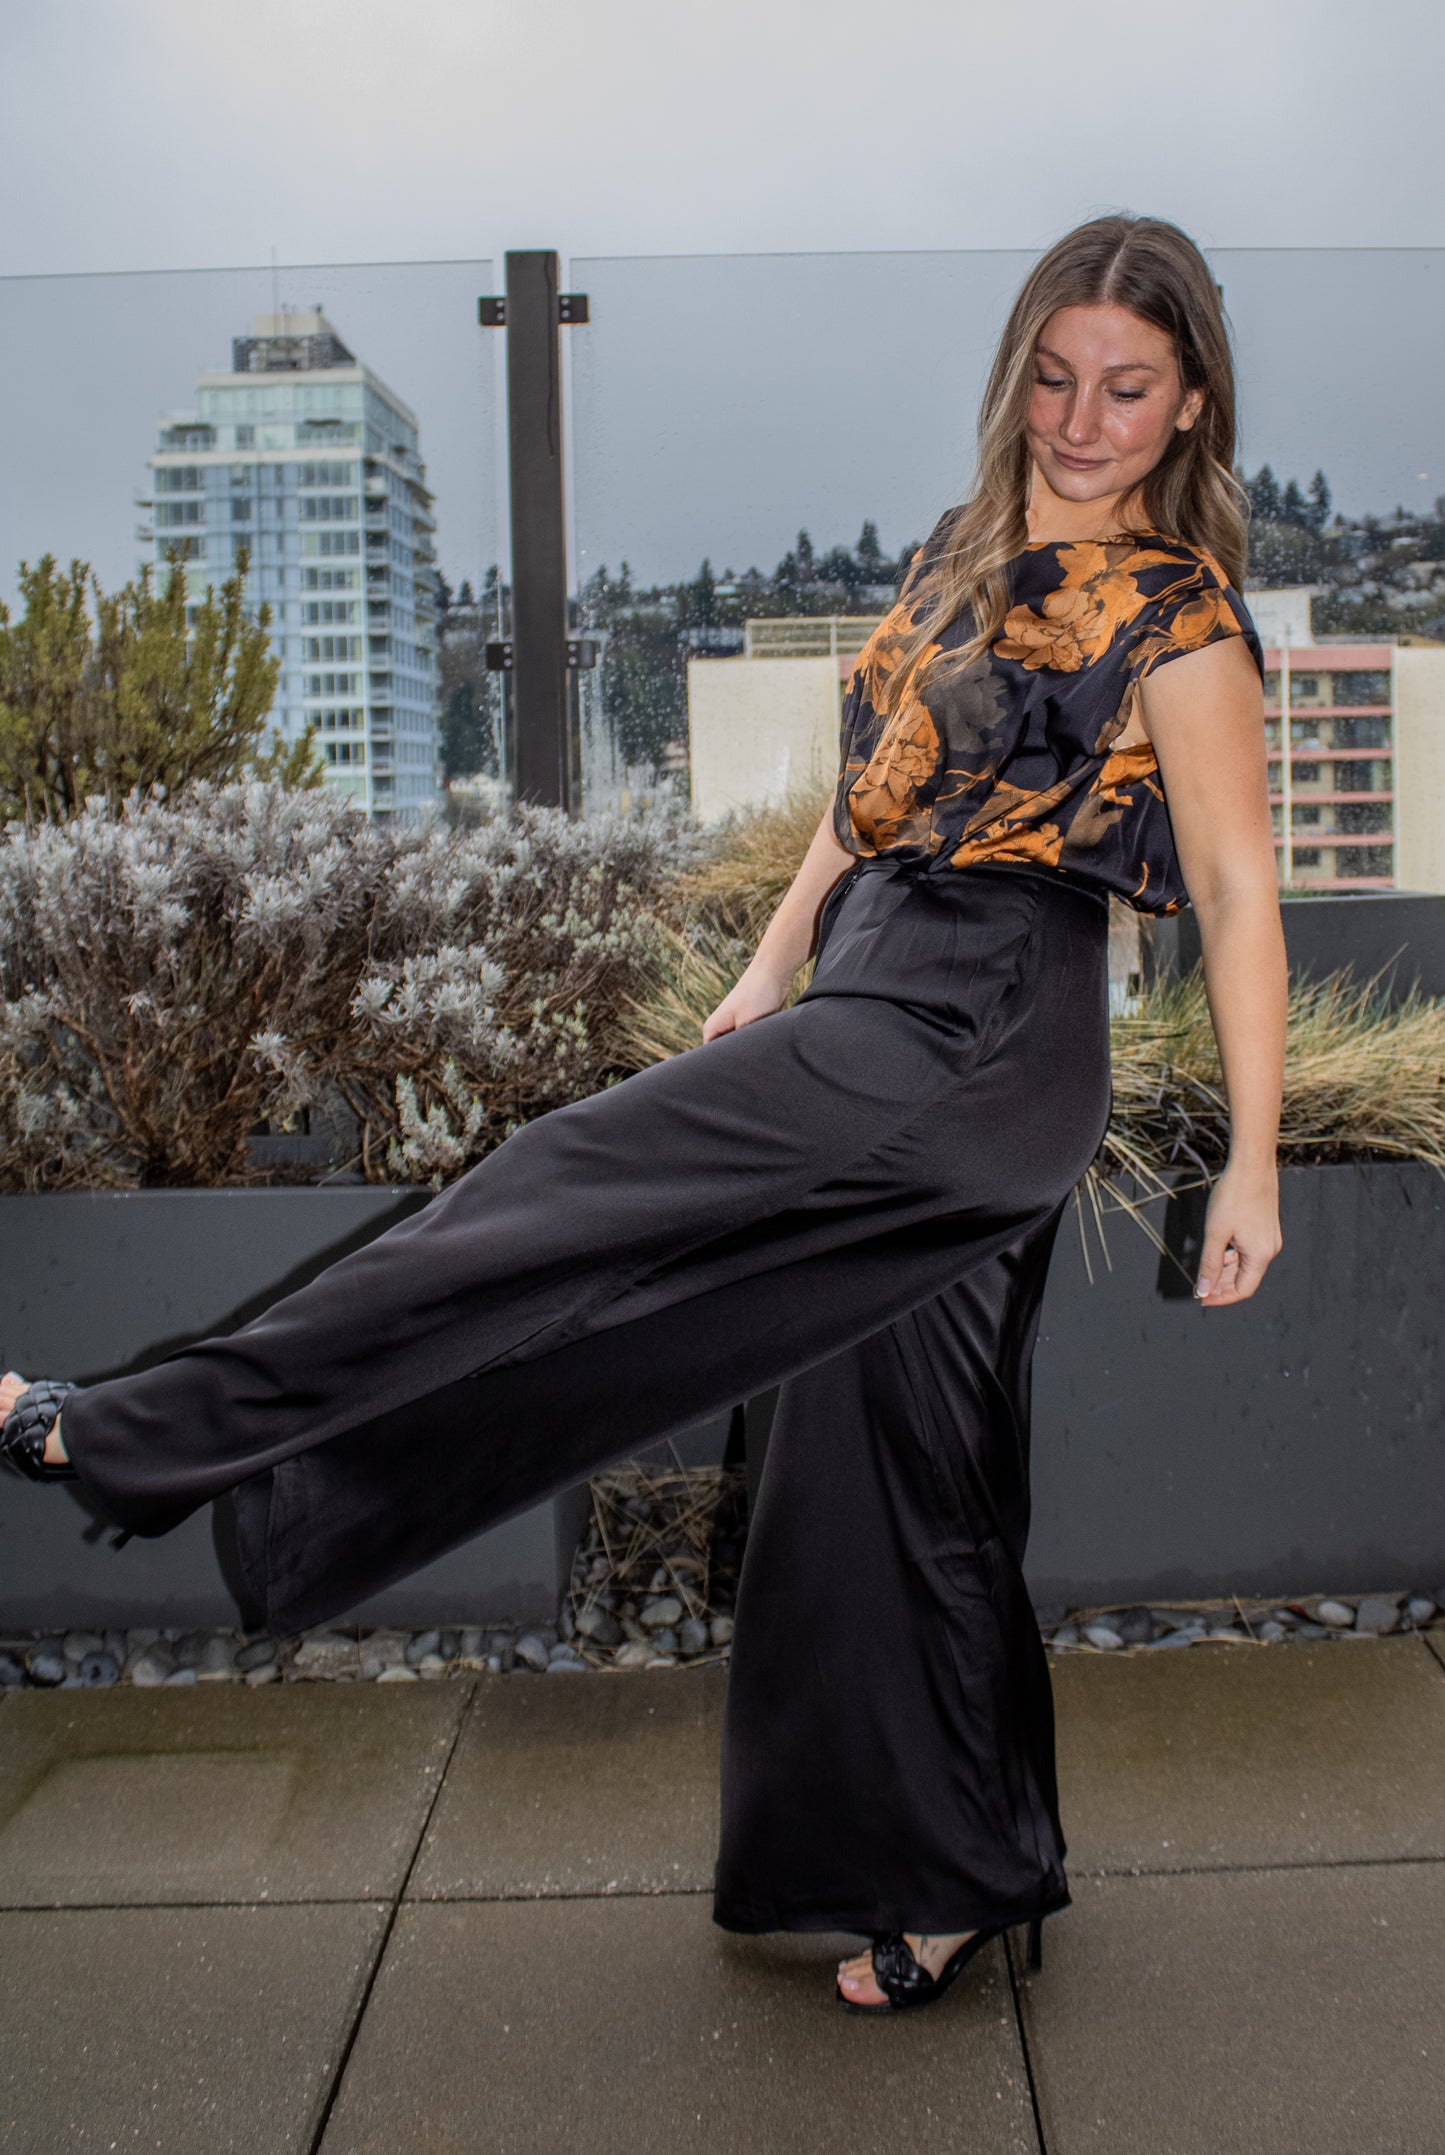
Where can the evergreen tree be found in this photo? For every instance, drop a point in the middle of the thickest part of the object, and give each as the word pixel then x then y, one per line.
pixel 1263 492
pixel 110 692
pixel 1318 513
pixel 1292 505
pixel 874 566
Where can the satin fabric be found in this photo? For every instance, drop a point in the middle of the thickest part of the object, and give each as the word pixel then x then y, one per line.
pixel 855 1197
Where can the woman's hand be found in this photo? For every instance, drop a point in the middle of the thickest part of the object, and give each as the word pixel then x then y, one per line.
pixel 1241 1235
pixel 757 995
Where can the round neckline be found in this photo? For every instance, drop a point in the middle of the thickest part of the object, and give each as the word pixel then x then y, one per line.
pixel 1112 538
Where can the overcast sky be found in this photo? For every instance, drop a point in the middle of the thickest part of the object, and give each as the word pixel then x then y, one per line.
pixel 161 133
pixel 719 404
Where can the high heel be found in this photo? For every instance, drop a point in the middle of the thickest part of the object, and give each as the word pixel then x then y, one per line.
pixel 26 1427
pixel 905 1982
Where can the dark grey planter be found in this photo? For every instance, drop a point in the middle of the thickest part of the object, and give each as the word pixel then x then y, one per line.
pixel 1294 1443
pixel 95 1283
pixel 1395 936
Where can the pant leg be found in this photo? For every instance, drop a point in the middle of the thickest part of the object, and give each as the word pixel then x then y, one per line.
pixel 799 1133
pixel 888 1745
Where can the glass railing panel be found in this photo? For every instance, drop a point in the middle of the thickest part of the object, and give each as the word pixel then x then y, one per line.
pixel 742 423
pixel 339 421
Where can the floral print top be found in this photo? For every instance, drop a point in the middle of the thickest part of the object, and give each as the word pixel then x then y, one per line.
pixel 1013 760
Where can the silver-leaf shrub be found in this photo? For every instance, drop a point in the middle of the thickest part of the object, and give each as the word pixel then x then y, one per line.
pixel 176 975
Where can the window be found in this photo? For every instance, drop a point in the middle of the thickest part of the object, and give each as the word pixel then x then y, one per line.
pixel 240 508
pixel 332 647
pixel 185 549
pixel 1305 774
pixel 1306 856
pixel 1310 813
pixel 330 474
pixel 332 684
pixel 179 479
pixel 1364 859
pixel 1355 816
pixel 330 610
pixel 342 720
pixel 352 752
pixel 328 579
pixel 1304 687
pixel 331 542
pixel 245 437
pixel 1362 688
pixel 171 513
pixel 1362 732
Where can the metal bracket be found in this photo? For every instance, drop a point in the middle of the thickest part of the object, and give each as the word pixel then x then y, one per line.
pixel 582 653
pixel 492 310
pixel 499 658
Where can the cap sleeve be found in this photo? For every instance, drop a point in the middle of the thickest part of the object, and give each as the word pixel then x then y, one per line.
pixel 1197 605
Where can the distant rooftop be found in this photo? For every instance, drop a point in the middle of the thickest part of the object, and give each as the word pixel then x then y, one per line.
pixel 294 341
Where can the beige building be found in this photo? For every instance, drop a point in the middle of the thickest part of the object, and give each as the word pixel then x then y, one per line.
pixel 1359 805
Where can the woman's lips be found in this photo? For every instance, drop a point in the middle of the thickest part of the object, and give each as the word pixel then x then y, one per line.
pixel 1080 463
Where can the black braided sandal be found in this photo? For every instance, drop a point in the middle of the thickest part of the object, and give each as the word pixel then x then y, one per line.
pixel 25 1429
pixel 905 1982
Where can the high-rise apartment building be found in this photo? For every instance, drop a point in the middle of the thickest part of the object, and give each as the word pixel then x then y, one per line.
pixel 304 457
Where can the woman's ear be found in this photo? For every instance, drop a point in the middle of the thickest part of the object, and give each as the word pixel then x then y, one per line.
pixel 1190 409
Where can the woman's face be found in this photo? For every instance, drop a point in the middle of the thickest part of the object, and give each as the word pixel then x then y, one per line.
pixel 1106 400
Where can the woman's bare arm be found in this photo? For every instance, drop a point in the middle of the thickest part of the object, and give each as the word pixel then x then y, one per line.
pixel 1203 714
pixel 788 939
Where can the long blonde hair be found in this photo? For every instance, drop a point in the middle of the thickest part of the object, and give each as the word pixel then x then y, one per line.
pixel 1158 273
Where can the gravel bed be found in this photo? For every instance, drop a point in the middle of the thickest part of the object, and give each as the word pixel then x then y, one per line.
pixel 81 1660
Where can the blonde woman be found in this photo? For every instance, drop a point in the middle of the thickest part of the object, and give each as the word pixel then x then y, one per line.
pixel 855 1197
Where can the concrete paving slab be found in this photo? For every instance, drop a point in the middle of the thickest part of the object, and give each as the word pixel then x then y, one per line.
pixel 580 1784
pixel 183 2029
pixel 1292 2012
pixel 1222 1755
pixel 209 1793
pixel 635 2027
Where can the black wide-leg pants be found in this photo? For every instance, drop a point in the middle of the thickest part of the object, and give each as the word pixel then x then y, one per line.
pixel 854 1197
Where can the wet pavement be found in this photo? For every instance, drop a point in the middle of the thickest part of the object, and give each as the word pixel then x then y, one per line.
pixel 474 1914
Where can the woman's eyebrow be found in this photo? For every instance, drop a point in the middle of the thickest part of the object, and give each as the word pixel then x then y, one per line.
pixel 1121 366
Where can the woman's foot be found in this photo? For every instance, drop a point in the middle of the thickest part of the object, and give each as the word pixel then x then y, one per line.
pixel 930 1949
pixel 11 1386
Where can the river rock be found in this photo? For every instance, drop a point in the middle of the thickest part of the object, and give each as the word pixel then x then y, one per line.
pixel 263 1672
pixel 152 1665
pixel 397 1672
pixel 600 1626
pixel 77 1644
pixel 1419 1608
pixel 97 1670
pixel 218 1660
pixel 660 1614
pixel 1378 1613
pixel 1065 1635
pixel 12 1672
pixel 420 1645
pixel 532 1650
pixel 692 1635
pixel 46 1667
pixel 181 1676
pixel 254 1653
pixel 634 1655
pixel 1103 1636
pixel 327 1654
pixel 1337 1614
pixel 471 1642
pixel 720 1630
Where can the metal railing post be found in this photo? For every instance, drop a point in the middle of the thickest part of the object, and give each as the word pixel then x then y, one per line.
pixel 539 654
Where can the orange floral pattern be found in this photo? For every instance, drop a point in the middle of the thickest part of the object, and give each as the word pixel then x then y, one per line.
pixel 1013 758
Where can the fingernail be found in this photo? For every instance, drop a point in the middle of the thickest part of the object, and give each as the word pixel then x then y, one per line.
pixel 1201 1288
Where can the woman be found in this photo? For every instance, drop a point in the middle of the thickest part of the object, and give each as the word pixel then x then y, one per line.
pixel 856 1198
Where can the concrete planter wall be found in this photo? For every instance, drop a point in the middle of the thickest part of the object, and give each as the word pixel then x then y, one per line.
pixel 1297 1442
pixel 96 1283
